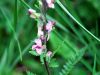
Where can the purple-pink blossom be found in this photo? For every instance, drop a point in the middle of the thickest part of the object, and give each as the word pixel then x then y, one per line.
pixel 38 42
pixel 49 26
pixel 38 46
pixel 50 3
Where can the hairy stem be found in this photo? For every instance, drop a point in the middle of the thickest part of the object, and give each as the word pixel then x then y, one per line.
pixel 43 14
pixel 47 67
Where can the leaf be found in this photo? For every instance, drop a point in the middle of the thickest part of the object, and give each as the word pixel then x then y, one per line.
pixel 42 58
pixel 30 73
pixel 94 66
pixel 3 61
pixel 54 63
pixel 56 40
pixel 14 33
pixel 33 53
pixel 80 24
pixel 69 65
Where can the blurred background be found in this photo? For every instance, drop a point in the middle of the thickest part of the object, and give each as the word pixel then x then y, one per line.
pixel 75 48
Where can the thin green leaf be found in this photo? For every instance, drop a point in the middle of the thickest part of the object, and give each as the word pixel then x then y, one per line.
pixel 61 5
pixel 94 66
pixel 3 61
pixel 25 4
pixel 86 64
pixel 14 33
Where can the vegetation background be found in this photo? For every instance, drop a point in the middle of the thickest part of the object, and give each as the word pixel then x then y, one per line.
pixel 77 52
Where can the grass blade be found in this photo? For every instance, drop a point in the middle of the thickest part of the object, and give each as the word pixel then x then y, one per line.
pixel 94 66
pixel 3 61
pixel 14 33
pixel 61 5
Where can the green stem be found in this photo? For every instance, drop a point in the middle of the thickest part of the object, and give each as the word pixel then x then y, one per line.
pixel 94 66
pixel 43 14
pixel 46 66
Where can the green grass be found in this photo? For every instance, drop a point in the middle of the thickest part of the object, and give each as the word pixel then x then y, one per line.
pixel 74 40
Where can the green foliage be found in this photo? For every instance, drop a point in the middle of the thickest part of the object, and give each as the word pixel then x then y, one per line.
pixel 71 62
pixel 74 41
pixel 30 73
pixel 3 61
pixel 53 63
pixel 33 53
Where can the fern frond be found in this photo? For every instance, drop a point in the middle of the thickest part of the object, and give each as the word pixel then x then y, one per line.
pixel 69 65
pixel 30 73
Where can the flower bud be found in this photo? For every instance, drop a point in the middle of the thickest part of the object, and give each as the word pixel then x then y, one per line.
pixel 49 53
pixel 33 13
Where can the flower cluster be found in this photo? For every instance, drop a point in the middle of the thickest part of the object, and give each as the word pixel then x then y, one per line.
pixel 39 47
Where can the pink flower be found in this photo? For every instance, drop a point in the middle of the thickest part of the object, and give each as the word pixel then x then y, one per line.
pixel 49 53
pixel 38 42
pixel 50 3
pixel 49 26
pixel 38 46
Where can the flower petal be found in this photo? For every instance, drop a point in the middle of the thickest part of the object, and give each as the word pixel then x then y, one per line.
pixel 38 42
pixel 50 3
pixel 34 47
pixel 39 51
